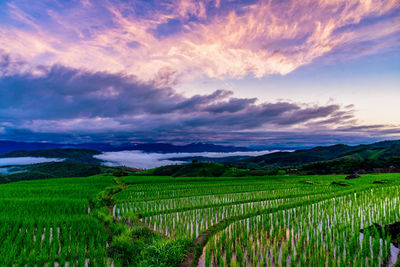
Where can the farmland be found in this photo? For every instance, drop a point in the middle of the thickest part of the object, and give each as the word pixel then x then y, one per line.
pixel 165 221
pixel 46 221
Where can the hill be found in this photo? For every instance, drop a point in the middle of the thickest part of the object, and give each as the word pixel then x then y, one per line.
pixel 52 170
pixel 68 154
pixel 336 158
pixel 61 169
pixel 298 157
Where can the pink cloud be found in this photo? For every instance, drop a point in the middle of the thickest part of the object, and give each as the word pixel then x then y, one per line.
pixel 267 37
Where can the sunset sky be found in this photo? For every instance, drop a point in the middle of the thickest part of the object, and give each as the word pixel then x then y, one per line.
pixel 286 72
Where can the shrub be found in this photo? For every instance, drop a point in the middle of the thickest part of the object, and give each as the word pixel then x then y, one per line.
pixel 120 173
pixel 164 253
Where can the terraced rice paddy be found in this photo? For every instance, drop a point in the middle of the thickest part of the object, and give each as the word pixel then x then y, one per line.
pixel 273 221
pixel 46 222
pixel 247 221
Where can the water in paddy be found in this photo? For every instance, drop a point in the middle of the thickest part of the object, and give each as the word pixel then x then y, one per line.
pixel 394 231
pixel 394 255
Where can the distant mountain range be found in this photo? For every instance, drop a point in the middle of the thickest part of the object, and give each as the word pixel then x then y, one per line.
pixel 9 146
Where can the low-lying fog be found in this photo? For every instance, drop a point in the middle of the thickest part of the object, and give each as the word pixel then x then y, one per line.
pixel 141 160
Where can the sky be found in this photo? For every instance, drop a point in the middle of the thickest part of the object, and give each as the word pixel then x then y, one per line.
pixel 255 72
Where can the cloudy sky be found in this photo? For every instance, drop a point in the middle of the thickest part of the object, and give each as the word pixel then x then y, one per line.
pixel 224 71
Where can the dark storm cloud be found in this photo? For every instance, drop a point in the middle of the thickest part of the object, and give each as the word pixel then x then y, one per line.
pixel 307 114
pixel 64 93
pixel 231 106
pixel 67 93
pixel 70 104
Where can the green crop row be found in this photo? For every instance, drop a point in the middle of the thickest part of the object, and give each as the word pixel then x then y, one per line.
pixel 46 222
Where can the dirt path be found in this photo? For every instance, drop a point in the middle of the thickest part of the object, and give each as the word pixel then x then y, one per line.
pixel 105 199
pixel 192 258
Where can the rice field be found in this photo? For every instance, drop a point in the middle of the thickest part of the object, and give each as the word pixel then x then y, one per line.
pixel 246 221
pixel 324 233
pixel 46 222
pixel 274 221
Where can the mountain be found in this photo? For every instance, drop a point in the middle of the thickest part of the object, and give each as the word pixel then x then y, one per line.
pixel 52 170
pixel 298 157
pixel 59 169
pixel 344 157
pixel 9 146
pixel 189 148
